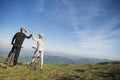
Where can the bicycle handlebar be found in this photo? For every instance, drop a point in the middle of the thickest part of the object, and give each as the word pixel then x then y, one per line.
pixel 34 47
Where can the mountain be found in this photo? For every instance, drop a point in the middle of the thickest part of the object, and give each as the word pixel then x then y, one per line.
pixel 55 57
pixel 63 60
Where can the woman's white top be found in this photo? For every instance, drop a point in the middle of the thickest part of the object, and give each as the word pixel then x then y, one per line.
pixel 40 43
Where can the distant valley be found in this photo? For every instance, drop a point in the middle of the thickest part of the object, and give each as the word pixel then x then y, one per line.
pixel 57 58
pixel 48 59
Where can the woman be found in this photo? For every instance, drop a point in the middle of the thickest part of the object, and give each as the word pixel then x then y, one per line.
pixel 40 48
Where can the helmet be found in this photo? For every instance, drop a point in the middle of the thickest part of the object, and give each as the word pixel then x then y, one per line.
pixel 41 35
pixel 22 29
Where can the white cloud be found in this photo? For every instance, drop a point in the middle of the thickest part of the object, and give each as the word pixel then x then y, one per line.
pixel 40 5
pixel 90 34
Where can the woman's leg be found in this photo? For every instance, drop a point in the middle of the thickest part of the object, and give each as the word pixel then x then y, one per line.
pixel 41 57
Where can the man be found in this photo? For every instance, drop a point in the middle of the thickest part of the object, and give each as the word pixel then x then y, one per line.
pixel 17 42
pixel 40 49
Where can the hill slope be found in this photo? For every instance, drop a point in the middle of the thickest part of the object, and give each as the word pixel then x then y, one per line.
pixel 2 59
pixel 106 71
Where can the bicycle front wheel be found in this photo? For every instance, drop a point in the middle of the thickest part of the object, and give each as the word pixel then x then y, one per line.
pixel 9 59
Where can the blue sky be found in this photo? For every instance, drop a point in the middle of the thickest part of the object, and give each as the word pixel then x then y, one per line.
pixel 89 28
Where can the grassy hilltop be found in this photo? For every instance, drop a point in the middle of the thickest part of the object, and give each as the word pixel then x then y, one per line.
pixel 106 71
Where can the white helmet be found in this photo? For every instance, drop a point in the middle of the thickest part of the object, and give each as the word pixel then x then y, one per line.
pixel 41 35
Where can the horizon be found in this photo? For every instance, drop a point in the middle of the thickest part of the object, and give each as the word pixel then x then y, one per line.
pixel 89 28
pixel 29 52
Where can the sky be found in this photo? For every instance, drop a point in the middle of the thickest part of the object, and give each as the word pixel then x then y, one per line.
pixel 89 28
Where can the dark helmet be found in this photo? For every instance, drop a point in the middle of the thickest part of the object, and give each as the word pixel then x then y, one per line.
pixel 22 29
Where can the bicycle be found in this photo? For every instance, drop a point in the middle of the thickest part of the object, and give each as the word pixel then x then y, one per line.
pixel 36 61
pixel 11 57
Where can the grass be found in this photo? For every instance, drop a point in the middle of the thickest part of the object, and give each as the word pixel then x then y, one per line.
pixel 62 72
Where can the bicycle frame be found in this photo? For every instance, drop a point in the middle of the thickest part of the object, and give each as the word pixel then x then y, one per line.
pixel 37 61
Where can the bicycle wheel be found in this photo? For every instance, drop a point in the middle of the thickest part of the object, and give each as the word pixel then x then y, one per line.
pixel 35 64
pixel 39 62
pixel 9 59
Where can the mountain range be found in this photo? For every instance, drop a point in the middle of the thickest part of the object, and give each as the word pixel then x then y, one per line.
pixel 48 59
pixel 57 58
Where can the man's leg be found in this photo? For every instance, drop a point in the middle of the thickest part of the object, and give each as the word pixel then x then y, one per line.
pixel 16 55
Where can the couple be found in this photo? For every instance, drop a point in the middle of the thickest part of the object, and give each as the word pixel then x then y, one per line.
pixel 18 40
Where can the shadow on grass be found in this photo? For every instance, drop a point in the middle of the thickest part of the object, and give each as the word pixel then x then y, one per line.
pixel 3 65
pixel 114 74
pixel 78 70
pixel 74 77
